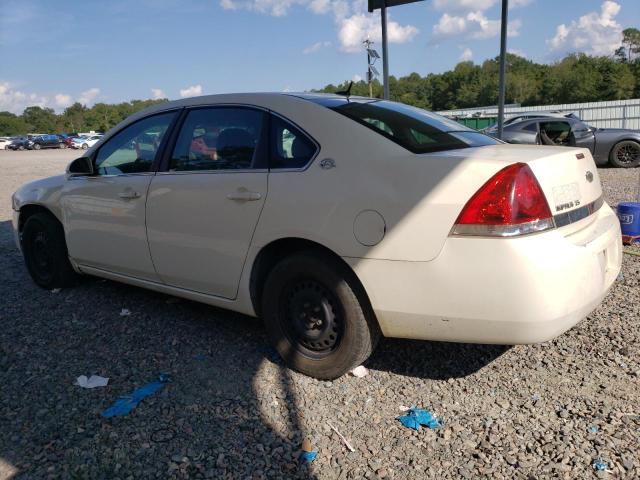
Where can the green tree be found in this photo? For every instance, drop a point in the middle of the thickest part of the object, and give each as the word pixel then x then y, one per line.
pixel 40 120
pixel 11 124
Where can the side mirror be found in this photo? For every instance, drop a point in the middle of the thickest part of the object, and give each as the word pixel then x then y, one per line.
pixel 80 167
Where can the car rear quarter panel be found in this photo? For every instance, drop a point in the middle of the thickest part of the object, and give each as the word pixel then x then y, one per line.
pixel 419 196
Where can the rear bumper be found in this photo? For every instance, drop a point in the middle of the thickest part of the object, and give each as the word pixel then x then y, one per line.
pixel 505 291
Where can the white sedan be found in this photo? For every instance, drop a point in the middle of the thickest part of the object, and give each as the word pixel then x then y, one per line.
pixel 335 219
pixel 85 142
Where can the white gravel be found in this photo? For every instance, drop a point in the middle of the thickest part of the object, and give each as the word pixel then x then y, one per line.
pixel 538 411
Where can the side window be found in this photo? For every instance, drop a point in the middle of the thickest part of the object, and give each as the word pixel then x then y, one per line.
pixel 133 149
pixel 290 148
pixel 532 127
pixel 219 138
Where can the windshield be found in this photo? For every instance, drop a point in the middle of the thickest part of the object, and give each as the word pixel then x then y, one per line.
pixel 415 129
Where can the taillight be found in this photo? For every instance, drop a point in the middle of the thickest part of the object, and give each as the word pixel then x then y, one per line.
pixel 511 203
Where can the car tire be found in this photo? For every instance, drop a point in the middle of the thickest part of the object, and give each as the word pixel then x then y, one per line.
pixel 62 145
pixel 36 146
pixel 21 147
pixel 317 315
pixel 85 146
pixel 625 154
pixel 45 252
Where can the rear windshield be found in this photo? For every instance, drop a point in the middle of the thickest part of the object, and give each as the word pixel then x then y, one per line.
pixel 415 129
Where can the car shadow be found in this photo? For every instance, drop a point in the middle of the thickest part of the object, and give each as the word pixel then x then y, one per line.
pixel 216 418
pixel 433 360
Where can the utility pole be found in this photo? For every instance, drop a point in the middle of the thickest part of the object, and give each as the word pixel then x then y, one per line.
pixel 372 56
pixel 385 53
pixel 503 59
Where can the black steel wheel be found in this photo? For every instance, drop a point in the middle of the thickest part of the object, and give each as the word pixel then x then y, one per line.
pixel 311 317
pixel 317 315
pixel 625 154
pixel 45 252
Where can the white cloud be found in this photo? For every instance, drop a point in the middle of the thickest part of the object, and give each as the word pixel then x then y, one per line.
pixel 519 3
pixel 596 33
pixel 15 101
pixel 467 55
pixel 473 25
pixel 63 100
pixel 192 91
pixel 158 93
pixel 88 96
pixel 517 51
pixel 463 5
pixel 352 23
pixel 316 47
pixel 356 78
pixel 354 29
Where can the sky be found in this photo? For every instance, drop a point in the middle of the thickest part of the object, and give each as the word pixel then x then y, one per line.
pixel 54 53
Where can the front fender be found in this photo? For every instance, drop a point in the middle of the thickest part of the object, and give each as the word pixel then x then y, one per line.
pixel 45 193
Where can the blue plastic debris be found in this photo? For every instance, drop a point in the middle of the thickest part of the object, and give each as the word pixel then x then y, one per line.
pixel 599 465
pixel 593 429
pixel 535 397
pixel 200 356
pixel 124 405
pixel 416 417
pixel 309 456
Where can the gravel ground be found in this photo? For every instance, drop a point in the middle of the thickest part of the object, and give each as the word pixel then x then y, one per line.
pixel 536 411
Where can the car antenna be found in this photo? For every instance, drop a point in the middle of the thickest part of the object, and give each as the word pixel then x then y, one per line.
pixel 347 92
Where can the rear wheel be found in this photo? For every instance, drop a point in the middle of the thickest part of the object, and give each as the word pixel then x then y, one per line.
pixel 85 146
pixel 45 252
pixel 36 146
pixel 317 317
pixel 625 154
pixel 21 147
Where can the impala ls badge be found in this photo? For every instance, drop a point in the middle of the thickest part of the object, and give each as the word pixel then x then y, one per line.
pixel 589 176
pixel 327 163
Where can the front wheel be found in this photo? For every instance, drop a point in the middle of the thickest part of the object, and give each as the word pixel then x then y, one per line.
pixel 36 146
pixel 317 316
pixel 21 147
pixel 85 146
pixel 45 252
pixel 625 154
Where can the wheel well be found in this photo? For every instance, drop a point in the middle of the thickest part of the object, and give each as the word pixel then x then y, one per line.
pixel 29 210
pixel 272 253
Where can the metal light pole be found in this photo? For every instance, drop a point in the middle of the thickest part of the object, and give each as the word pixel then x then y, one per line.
pixel 385 53
pixel 503 59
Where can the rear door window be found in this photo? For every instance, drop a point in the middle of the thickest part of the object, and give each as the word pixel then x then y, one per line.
pixel 220 138
pixel 415 129
pixel 290 148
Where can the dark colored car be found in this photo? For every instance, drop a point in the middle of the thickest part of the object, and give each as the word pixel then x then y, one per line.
pixel 19 143
pixel 617 146
pixel 46 141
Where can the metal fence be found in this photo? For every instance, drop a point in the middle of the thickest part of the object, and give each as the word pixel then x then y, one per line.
pixel 610 114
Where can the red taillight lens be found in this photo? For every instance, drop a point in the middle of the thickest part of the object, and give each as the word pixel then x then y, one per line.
pixel 510 203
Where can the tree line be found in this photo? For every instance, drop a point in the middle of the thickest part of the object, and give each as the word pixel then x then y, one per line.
pixel 575 78
pixel 75 118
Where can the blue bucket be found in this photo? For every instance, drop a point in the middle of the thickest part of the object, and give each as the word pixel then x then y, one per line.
pixel 629 216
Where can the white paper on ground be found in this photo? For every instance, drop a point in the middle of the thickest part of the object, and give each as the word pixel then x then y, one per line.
pixel 92 382
pixel 360 372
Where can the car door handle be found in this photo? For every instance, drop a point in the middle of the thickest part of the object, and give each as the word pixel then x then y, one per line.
pixel 129 195
pixel 244 196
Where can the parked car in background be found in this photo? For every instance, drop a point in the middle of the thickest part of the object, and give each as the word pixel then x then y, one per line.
pixel 493 129
pixel 335 219
pixel 618 147
pixel 5 142
pixel 86 142
pixel 46 141
pixel 19 143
